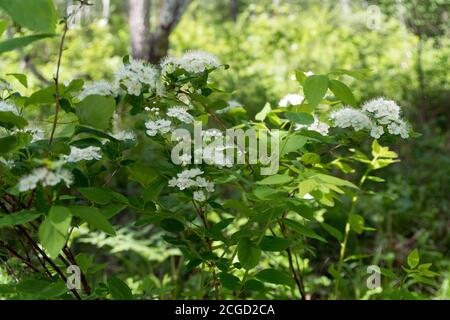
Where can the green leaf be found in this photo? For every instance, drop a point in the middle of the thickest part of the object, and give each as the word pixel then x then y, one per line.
pixel 315 88
pixel 229 281
pixel 276 179
pixel 20 218
pixel 361 74
pixel 260 116
pixel 36 15
pixel 413 258
pixel 41 289
pixel 102 195
pixel 119 289
pixel 12 119
pixel 43 96
pixel 172 225
pixel 275 276
pixel 112 210
pixel 53 231
pixel 22 78
pixel 248 253
pixel 293 143
pixel 333 180
pixel 270 243
pixel 335 233
pixel 357 223
pixel 13 143
pixel 299 117
pixel 94 218
pixel 253 285
pixel 342 92
pixel 96 111
pixel 94 132
pixel 20 42
pixel 302 230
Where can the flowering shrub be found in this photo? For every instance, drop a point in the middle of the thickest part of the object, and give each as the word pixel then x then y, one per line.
pixel 242 232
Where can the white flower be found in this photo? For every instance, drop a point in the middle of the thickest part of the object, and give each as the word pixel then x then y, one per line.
pixel 191 178
pixel 350 117
pixel 8 163
pixel 46 177
pixel 5 86
pixel 181 114
pixel 185 159
pixel 199 196
pixel 124 135
pixel 8 107
pixel 376 132
pixel 384 111
pixel 317 125
pixel 291 99
pixel 135 75
pixel 89 153
pixel 102 88
pixel 399 128
pixel 211 133
pixel 153 127
pixel 191 61
pixel 37 133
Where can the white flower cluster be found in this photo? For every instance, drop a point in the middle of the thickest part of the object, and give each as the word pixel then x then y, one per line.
pixel 7 163
pixel 161 126
pixel 317 125
pixel 191 61
pixel 351 117
pixel 291 99
pixel 180 113
pixel 89 153
pixel 135 75
pixel 46 177
pixel 123 135
pixel 191 178
pixel 102 88
pixel 386 112
pixel 36 133
pixel 5 86
pixel 8 107
pixel 373 116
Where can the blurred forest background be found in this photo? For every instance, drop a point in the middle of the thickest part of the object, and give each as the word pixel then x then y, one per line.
pixel 405 43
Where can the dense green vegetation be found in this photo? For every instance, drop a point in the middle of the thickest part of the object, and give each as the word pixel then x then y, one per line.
pixel 340 202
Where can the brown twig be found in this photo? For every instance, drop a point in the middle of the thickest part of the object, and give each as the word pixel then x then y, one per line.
pixel 56 79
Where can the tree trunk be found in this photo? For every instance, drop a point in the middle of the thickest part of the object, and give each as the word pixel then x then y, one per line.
pixel 234 9
pixel 139 24
pixel 169 16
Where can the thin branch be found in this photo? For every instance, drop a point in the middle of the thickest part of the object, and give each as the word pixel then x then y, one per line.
pixel 56 79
